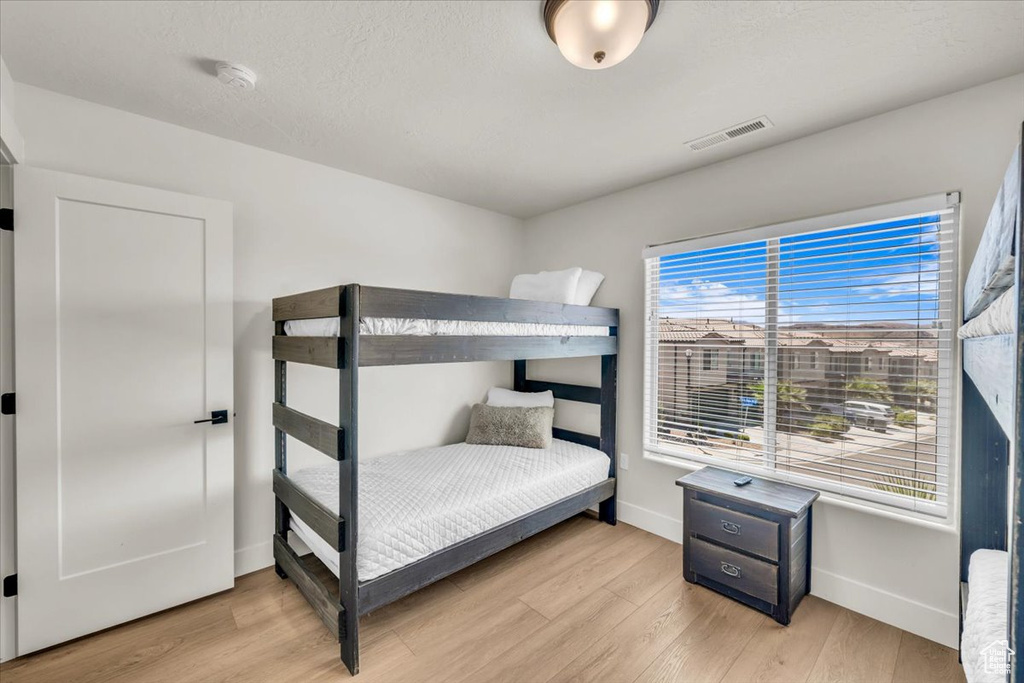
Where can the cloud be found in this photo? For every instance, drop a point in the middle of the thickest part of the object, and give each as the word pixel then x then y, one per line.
pixel 925 283
pixel 700 298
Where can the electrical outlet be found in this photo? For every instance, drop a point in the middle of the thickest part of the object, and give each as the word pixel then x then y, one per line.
pixel 624 460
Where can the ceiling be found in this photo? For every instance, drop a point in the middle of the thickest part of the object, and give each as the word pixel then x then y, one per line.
pixel 471 101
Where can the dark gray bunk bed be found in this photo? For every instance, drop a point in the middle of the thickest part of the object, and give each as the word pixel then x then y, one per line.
pixel 992 455
pixel 350 350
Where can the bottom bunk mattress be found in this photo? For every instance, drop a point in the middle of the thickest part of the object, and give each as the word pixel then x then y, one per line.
pixel 983 644
pixel 415 503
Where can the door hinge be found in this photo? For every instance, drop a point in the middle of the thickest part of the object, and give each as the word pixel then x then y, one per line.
pixel 10 586
pixel 6 404
pixel 6 219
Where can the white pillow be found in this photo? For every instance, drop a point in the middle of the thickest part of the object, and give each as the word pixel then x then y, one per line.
pixel 558 286
pixel 506 398
pixel 589 282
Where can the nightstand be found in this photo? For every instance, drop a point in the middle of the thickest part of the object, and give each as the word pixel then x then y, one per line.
pixel 751 543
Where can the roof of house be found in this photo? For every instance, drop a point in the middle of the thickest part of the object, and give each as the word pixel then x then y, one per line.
pixel 695 330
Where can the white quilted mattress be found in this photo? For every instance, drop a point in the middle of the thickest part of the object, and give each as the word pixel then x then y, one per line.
pixel 985 628
pixel 999 318
pixel 415 503
pixel 422 327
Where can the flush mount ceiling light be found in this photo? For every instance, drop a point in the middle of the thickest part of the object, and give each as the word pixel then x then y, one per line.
pixel 597 34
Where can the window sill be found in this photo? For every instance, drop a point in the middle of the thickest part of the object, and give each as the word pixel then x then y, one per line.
pixel 826 497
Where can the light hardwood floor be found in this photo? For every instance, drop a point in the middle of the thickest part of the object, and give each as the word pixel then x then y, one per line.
pixel 580 602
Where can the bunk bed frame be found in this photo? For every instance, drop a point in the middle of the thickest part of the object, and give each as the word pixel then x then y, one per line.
pixel 992 435
pixel 347 353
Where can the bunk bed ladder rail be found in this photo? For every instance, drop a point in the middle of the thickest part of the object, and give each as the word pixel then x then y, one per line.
pixel 348 489
pixel 340 612
pixel 281 517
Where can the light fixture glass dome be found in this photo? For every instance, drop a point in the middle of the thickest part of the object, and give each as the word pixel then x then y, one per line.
pixel 597 34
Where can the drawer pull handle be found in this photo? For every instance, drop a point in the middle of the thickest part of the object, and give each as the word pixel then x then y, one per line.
pixel 731 570
pixel 730 527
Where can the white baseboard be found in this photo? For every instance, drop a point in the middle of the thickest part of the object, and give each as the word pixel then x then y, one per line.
pixel 653 522
pixel 253 558
pixel 895 610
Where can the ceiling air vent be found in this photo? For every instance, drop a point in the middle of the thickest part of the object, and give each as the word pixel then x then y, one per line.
pixel 717 138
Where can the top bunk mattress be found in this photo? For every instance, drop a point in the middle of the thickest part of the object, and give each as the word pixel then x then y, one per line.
pixel 1000 317
pixel 992 270
pixel 424 327
pixel 415 503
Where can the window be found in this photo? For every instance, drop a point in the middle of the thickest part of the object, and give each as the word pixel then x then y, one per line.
pixel 871 292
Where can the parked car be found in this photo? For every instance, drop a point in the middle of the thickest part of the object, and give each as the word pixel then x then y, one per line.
pixel 877 416
pixel 839 411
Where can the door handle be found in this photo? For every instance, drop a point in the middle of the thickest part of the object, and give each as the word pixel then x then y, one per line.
pixel 217 417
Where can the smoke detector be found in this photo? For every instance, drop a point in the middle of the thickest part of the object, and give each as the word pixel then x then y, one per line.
pixel 236 76
pixel 731 133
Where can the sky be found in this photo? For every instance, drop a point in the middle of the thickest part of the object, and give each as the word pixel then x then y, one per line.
pixel 887 271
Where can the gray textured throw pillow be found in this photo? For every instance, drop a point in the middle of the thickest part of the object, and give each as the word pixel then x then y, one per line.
pixel 497 426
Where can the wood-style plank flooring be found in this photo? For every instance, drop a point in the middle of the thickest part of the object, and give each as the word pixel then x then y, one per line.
pixel 580 602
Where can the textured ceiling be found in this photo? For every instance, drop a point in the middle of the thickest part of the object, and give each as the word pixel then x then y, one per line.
pixel 470 100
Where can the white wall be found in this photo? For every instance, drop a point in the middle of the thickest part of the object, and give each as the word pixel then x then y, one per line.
pixel 299 226
pixel 901 573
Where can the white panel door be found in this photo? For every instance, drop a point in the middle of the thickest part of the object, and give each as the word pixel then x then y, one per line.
pixel 123 338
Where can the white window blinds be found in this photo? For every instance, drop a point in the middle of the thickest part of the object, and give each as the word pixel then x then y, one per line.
pixel 819 350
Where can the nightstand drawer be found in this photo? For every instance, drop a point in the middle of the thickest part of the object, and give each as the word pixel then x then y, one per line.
pixel 751 534
pixel 746 574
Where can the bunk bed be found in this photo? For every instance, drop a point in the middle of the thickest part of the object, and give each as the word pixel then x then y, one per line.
pixel 992 454
pixel 353 326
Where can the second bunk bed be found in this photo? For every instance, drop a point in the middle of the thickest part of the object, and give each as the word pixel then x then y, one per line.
pixel 394 524
pixel 992 453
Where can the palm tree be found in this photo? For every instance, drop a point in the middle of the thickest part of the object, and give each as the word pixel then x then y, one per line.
pixel 868 389
pixel 789 399
pixel 916 393
pixel 904 485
